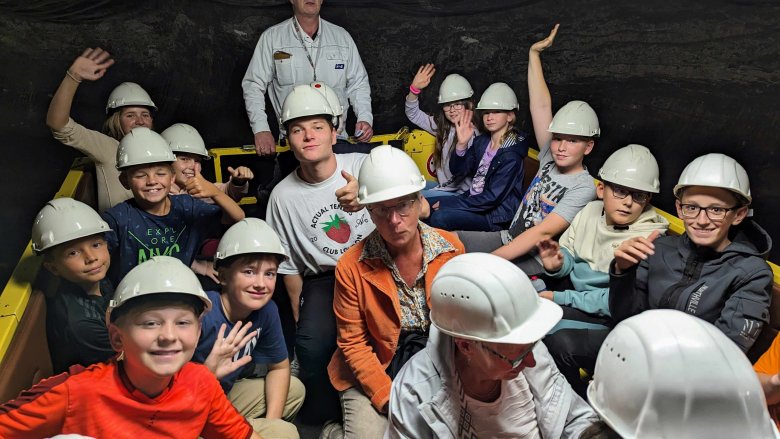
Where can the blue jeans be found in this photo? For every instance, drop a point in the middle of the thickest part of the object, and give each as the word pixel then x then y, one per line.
pixel 430 192
pixel 458 219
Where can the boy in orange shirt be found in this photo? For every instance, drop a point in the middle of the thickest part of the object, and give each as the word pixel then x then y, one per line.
pixel 150 390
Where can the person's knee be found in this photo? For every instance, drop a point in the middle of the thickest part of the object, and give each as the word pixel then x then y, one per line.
pixel 274 428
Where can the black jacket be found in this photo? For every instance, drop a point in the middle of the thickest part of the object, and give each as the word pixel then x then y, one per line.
pixel 731 289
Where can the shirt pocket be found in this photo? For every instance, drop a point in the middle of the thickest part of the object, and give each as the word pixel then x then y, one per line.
pixel 285 72
pixel 335 68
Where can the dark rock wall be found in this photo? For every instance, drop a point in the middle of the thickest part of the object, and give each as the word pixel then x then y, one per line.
pixel 683 78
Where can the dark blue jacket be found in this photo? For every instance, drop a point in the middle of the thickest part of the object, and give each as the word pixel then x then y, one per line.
pixel 503 190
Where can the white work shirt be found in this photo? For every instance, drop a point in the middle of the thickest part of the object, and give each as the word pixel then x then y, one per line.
pixel 280 61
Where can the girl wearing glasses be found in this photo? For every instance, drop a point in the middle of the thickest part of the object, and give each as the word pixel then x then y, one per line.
pixel 454 97
pixel 494 162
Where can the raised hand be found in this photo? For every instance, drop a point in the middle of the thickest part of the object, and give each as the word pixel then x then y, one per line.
pixel 539 46
pixel 633 250
pixel 91 64
pixel 550 254
pixel 363 131
pixel 464 129
pixel 347 194
pixel 240 175
pixel 423 77
pixel 199 187
pixel 221 360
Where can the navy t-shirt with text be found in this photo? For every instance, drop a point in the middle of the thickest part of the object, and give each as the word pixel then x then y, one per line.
pixel 138 235
pixel 266 348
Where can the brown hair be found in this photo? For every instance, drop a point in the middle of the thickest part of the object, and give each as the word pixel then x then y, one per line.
pixel 443 126
pixel 509 128
pixel 224 264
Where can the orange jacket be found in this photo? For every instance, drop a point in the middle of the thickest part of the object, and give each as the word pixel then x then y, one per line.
pixel 368 320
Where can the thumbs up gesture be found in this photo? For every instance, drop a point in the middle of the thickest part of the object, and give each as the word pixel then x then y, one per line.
pixel 633 250
pixel 347 195
pixel 240 175
pixel 199 187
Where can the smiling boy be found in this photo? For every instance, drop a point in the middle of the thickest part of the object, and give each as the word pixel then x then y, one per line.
pixel 247 258
pixel 150 390
pixel 155 223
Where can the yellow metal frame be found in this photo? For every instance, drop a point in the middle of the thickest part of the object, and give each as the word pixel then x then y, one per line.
pixel 17 292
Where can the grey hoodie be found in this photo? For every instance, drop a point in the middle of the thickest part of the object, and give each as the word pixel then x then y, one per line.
pixel 731 289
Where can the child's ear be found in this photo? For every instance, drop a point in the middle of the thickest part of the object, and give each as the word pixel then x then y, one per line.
pixel 115 337
pixel 600 190
pixel 52 267
pixel 333 136
pixel 123 180
pixel 739 215
pixel 589 147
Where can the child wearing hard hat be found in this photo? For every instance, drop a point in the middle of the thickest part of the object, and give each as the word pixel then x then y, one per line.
pixel 561 187
pixel 485 371
pixel 129 106
pixel 629 178
pixel 455 95
pixel 71 238
pixel 154 222
pixel 716 270
pixel 494 161
pixel 247 258
pixel 151 390
pixel 667 374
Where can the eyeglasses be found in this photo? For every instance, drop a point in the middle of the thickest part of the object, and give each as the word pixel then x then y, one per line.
pixel 404 208
pixel 514 363
pixel 714 213
pixel 638 196
pixel 454 107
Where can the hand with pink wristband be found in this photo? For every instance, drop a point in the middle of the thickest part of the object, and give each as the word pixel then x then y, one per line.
pixel 422 79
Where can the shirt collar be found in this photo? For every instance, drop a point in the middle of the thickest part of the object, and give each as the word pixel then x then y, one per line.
pixel 433 245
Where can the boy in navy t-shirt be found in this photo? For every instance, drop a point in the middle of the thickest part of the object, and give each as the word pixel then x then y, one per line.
pixel 247 258
pixel 155 223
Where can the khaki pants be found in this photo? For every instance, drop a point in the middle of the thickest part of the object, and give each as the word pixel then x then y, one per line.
pixel 248 397
pixel 361 420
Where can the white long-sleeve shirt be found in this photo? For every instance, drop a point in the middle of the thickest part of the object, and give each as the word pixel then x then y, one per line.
pixel 279 63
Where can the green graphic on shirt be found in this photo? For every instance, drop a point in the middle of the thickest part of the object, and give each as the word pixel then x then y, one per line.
pixel 159 242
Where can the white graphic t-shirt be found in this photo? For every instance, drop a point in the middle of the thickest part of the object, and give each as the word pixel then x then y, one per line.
pixel 313 229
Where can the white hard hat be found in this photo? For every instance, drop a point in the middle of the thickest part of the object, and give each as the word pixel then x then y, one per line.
pixel 185 138
pixel 128 94
pixel 250 235
pixel 664 373
pixel 388 173
pixel 62 220
pixel 715 170
pixel 576 118
pixel 455 88
pixel 142 146
pixel 499 96
pixel 479 296
pixel 305 100
pixel 330 96
pixel 158 275
pixel 634 167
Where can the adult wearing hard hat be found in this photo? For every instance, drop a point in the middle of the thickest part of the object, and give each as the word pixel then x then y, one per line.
pixel 485 372
pixel 304 210
pixel 128 106
pixel 297 51
pixel 666 374
pixel 382 293
pixel 716 270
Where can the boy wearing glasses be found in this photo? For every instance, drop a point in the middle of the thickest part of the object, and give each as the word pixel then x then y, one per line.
pixel 304 211
pixel 585 250
pixel 716 270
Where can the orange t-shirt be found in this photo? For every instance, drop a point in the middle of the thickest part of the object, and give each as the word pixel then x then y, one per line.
pixel 769 364
pixel 100 402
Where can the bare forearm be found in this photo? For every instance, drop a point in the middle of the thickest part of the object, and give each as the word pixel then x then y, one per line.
pixel 523 243
pixel 231 211
pixel 277 385
pixel 539 100
pixel 771 386
pixel 61 103
pixel 293 283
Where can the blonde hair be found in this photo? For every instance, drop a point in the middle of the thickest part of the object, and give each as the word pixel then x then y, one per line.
pixel 112 126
